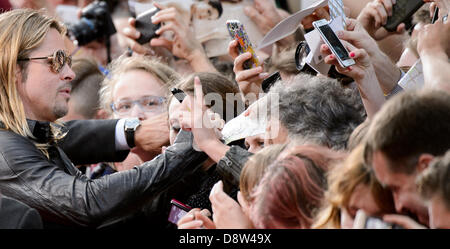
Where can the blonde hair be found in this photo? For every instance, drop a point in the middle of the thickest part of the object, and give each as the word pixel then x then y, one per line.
pixel 22 31
pixel 342 181
pixel 125 64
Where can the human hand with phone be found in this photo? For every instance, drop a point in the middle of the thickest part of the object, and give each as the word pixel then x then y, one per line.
pixel 433 45
pixel 196 219
pixel 375 15
pixel 434 39
pixel 363 73
pixel 249 80
pixel 386 71
pixel 184 44
pixel 404 221
pixel 227 213
pixel 443 5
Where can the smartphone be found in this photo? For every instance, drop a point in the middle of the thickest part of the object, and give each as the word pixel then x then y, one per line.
pixel 178 94
pixel 362 221
pixel 237 31
pixel 145 26
pixel 177 211
pixel 402 11
pixel 269 81
pixel 435 15
pixel 333 42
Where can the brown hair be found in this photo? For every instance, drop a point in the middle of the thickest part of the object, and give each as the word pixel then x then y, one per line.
pixel 86 86
pixel 254 169
pixel 358 134
pixel 342 181
pixel 216 83
pixel 410 124
pixel 283 61
pixel 435 180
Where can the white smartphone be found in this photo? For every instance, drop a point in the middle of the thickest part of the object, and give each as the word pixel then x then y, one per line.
pixel 333 42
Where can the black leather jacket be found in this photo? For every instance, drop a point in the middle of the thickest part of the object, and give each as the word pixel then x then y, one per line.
pixel 64 196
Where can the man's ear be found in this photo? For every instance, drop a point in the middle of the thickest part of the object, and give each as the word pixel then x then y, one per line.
pixel 101 114
pixel 424 161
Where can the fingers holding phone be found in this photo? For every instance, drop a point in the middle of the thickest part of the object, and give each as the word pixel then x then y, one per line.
pixel 249 80
pixel 379 13
pixel 357 70
pixel 196 219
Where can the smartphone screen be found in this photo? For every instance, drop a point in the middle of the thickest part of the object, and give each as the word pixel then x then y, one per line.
pixel 175 214
pixel 335 42
pixel 177 211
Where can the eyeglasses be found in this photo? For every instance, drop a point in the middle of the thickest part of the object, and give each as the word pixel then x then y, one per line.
pixel 147 104
pixel 57 61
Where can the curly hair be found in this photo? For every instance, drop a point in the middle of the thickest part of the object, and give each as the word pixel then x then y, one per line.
pixel 319 109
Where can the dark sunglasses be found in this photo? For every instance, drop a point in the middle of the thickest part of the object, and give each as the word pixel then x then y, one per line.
pixel 57 60
pixel 178 94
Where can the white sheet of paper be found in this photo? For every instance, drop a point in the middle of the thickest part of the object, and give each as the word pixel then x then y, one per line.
pixel 414 78
pixel 246 126
pixel 288 25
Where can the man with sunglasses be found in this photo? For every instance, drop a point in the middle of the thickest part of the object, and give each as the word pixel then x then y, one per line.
pixel 37 155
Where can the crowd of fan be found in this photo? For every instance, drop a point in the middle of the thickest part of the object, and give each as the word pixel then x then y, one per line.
pixel 328 152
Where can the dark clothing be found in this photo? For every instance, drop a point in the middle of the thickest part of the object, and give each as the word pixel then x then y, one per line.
pixel 230 166
pixel 16 215
pixel 193 190
pixel 64 196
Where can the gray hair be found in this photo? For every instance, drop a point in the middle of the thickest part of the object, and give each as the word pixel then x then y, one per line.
pixel 319 109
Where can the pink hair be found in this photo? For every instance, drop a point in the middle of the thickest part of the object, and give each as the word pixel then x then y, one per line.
pixel 292 189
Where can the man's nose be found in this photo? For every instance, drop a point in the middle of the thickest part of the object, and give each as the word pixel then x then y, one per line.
pixel 399 205
pixel 67 73
pixel 137 112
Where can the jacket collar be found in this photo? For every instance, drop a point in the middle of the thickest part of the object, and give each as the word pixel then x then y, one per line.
pixel 41 130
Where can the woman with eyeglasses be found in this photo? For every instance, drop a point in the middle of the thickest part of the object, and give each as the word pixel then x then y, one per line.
pixel 136 87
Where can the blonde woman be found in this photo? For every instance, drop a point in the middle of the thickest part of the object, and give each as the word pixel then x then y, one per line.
pixel 351 186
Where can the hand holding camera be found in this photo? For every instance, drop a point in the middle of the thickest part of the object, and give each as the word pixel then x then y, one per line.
pixel 377 14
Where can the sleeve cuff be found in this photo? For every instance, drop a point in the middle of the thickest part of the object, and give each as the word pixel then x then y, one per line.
pixel 121 141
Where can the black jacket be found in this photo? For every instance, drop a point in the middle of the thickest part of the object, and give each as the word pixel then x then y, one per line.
pixel 64 196
pixel 16 215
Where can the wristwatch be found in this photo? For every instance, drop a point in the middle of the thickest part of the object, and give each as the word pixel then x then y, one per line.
pixel 131 125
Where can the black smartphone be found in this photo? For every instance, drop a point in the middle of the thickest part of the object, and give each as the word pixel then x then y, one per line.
pixel 178 94
pixel 435 15
pixel 402 12
pixel 269 81
pixel 145 26
pixel 177 211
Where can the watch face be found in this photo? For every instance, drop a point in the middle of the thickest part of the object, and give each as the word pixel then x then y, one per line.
pixel 132 123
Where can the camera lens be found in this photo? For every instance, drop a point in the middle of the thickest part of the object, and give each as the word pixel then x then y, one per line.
pixel 301 53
